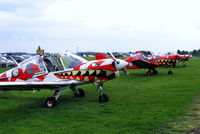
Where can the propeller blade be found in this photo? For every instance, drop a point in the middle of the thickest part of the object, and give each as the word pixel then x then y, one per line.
pixel 113 57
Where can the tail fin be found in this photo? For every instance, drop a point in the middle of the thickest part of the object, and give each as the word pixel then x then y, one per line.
pixel 100 56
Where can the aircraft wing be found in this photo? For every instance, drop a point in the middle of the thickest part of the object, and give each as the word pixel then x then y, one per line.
pixel 143 64
pixel 5 86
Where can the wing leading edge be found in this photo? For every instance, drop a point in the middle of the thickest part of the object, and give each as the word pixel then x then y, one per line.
pixel 5 86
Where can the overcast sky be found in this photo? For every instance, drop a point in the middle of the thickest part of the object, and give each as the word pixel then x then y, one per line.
pixel 99 25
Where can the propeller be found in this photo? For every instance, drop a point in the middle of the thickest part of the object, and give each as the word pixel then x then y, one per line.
pixel 113 57
pixel 118 63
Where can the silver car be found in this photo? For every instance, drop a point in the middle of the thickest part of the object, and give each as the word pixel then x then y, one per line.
pixel 2 62
pixel 9 63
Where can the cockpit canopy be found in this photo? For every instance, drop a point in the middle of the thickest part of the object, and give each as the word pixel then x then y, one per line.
pixel 50 63
pixel 70 60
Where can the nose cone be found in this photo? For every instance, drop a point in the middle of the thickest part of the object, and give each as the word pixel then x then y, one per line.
pixel 121 64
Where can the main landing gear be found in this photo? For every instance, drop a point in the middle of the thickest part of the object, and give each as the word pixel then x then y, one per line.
pixel 151 72
pixel 78 92
pixel 52 101
pixel 102 97
pixel 170 72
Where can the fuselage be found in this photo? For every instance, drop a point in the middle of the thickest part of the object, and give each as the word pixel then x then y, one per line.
pixel 37 70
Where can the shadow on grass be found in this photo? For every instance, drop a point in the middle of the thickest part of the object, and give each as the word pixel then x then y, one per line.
pixel 24 107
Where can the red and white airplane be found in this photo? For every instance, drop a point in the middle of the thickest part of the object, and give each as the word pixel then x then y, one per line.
pixel 60 72
pixel 145 60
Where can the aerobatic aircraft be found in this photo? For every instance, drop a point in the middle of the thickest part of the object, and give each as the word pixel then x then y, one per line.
pixel 178 58
pixel 59 72
pixel 151 61
pixel 145 60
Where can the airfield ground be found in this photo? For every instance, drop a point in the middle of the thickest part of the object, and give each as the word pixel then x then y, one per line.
pixel 138 105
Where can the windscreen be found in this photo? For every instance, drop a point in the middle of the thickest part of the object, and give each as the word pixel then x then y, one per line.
pixel 70 60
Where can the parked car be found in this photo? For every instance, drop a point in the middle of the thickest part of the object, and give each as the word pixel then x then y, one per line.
pixel 18 58
pixel 2 62
pixel 26 56
pixel 9 63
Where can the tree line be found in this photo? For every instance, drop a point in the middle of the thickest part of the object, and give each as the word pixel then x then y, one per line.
pixel 193 52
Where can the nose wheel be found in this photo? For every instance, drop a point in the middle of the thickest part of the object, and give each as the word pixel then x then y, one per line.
pixel 170 72
pixel 102 97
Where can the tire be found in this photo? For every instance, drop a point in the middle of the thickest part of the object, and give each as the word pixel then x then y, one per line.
pixel 103 98
pixel 170 72
pixel 148 73
pixel 4 65
pixel 81 93
pixel 51 102
pixel 155 72
pixel 15 73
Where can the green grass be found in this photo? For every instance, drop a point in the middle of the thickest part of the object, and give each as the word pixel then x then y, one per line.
pixel 138 104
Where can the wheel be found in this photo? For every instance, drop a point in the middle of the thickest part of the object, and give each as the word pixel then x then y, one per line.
pixel 51 102
pixel 3 65
pixel 148 73
pixel 103 98
pixel 15 73
pixel 81 93
pixel 170 72
pixel 155 72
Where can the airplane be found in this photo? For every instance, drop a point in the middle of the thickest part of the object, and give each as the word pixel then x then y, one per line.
pixel 179 58
pixel 156 60
pixel 145 60
pixel 59 72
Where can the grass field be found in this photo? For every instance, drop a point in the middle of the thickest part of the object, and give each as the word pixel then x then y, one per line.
pixel 138 105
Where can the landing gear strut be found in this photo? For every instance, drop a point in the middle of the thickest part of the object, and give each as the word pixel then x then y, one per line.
pixel 102 97
pixel 152 72
pixel 149 73
pixel 52 101
pixel 170 72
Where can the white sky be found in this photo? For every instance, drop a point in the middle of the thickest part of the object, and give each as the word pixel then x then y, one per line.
pixel 99 25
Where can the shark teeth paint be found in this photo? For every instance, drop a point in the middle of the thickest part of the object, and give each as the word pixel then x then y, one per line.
pixel 87 75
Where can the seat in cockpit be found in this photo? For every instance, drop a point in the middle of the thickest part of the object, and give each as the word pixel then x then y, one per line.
pixel 49 65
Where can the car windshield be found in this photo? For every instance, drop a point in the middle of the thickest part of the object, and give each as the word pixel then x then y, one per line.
pixel 70 60
pixel 2 59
